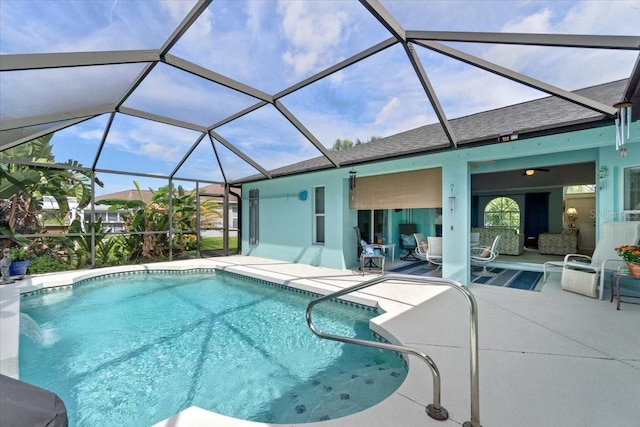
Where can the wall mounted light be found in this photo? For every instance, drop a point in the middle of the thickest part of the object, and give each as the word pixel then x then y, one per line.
pixel 602 174
pixel 352 179
pixel 508 136
pixel 530 172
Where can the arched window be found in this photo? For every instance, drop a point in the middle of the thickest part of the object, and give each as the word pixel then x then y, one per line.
pixel 502 212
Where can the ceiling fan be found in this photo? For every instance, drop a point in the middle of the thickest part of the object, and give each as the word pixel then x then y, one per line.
pixel 532 171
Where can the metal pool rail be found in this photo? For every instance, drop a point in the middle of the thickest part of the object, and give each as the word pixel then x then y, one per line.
pixel 434 410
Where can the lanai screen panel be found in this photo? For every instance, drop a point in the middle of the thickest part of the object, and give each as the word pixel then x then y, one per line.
pixel 174 93
pixel 358 103
pixel 144 146
pixel 276 135
pixel 275 46
pixel 47 26
pixel 233 166
pixel 202 164
pixel 29 93
pixel 271 45
pixel 80 142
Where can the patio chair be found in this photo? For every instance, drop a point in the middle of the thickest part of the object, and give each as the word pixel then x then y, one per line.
pixel 362 245
pixel 422 246
pixel 481 256
pixel 358 240
pixel 408 242
pixel 434 251
pixel 581 273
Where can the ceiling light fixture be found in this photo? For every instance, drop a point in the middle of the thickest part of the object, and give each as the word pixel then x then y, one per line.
pixel 530 172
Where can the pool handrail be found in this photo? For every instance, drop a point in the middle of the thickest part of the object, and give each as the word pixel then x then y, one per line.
pixel 435 409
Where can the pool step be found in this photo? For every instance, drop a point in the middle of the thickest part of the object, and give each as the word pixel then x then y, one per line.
pixel 338 395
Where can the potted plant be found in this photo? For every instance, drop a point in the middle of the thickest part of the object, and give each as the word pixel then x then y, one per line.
pixel 631 254
pixel 19 262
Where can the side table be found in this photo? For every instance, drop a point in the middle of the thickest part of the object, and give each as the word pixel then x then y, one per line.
pixel 616 276
pixel 379 257
pixel 391 246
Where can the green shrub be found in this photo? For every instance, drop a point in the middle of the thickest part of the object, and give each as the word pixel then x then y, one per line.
pixel 18 254
pixel 46 264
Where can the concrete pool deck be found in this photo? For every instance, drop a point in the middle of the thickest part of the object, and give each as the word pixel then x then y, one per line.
pixel 550 358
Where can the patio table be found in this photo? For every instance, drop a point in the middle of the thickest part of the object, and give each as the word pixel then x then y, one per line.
pixel 616 276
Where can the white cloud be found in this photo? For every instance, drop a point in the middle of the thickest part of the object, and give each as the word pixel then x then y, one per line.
pixel 572 68
pixel 390 109
pixel 178 10
pixel 313 31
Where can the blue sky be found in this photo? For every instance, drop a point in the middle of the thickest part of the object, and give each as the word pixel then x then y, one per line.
pixel 271 45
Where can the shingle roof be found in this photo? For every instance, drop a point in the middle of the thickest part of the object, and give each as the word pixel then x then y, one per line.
pixel 550 114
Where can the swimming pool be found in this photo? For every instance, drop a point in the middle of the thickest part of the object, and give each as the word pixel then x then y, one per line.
pixel 133 349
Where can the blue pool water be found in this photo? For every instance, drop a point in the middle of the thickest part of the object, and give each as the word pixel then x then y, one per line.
pixel 132 350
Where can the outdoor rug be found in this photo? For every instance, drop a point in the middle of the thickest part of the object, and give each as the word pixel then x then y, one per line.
pixel 421 268
pixel 515 279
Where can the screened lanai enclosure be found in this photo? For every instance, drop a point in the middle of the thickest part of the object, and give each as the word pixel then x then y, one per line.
pixel 128 128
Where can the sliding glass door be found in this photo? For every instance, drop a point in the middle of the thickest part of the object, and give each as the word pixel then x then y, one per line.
pixel 374 225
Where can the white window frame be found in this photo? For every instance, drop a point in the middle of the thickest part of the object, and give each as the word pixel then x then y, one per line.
pixel 629 212
pixel 511 213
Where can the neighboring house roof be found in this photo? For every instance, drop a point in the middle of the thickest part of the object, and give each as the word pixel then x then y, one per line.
pixel 127 195
pixel 546 115
pixel 207 190
pixel 216 190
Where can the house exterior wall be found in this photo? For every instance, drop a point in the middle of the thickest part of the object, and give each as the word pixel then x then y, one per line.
pixel 286 222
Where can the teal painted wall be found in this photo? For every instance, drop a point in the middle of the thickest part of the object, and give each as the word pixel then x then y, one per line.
pixel 286 222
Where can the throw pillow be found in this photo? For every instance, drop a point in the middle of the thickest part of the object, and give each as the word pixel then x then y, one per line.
pixel 367 249
pixel 408 241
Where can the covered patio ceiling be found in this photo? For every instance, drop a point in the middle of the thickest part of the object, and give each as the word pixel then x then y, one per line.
pixel 216 91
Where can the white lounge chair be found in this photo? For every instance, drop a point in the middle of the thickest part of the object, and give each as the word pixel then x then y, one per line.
pixel 481 256
pixel 612 235
pixel 422 246
pixel 434 251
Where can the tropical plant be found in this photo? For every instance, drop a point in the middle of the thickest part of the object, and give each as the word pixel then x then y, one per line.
pixel 81 251
pixel 27 173
pixel 151 221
